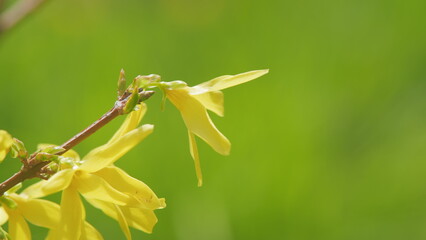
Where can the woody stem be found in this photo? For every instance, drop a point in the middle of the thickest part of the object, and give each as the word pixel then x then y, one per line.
pixel 31 170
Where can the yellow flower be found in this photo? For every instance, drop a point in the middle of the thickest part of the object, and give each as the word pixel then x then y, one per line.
pixel 39 212
pixel 5 144
pixel 103 184
pixel 193 102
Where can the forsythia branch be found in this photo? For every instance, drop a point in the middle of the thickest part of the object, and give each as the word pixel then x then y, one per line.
pixel 34 167
pixel 17 12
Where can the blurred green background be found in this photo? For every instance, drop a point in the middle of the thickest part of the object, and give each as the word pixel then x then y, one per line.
pixel 331 144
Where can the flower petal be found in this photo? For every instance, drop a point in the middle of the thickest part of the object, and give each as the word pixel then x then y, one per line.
pixel 94 187
pixel 107 154
pixel 198 121
pixel 39 212
pixel 6 142
pixel 72 215
pixel 3 216
pixel 142 195
pixel 131 122
pixel 59 181
pixel 193 149
pixel 18 227
pixel 123 222
pixel 227 81
pixel 90 233
pixel 139 218
pixel 213 101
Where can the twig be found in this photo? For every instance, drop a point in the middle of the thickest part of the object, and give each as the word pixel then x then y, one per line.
pixel 33 170
pixel 17 12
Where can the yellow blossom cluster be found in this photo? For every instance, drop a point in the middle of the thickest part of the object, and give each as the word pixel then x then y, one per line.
pixel 95 177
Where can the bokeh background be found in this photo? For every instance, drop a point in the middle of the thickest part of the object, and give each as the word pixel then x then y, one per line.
pixel 331 144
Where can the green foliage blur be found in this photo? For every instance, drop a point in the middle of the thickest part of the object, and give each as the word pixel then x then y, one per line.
pixel 331 144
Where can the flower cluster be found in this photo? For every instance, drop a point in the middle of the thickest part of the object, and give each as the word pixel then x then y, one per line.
pixel 95 177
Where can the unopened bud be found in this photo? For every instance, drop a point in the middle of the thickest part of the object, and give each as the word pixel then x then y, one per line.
pixel 43 157
pixel 52 168
pixel 53 149
pixel 144 95
pixel 121 84
pixel 18 149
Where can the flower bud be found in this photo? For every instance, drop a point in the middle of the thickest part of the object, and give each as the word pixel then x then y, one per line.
pixel 18 149
pixel 43 157
pixel 121 84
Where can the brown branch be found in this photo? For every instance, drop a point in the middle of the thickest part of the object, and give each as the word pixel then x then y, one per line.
pixel 33 168
pixel 12 16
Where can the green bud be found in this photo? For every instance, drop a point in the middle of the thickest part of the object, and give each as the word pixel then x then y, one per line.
pixel 43 157
pixel 66 162
pixel 14 188
pixel 52 167
pixel 18 149
pixel 52 149
pixel 144 95
pixel 121 84
pixel 8 202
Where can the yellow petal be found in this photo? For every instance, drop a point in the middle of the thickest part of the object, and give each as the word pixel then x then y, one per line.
pixel 18 227
pixel 123 222
pixel 227 81
pixel 141 194
pixel 72 215
pixel 70 153
pixel 131 122
pixel 94 187
pixel 3 216
pixel 90 233
pixel 5 144
pixel 194 153
pixel 198 121
pixel 39 212
pixel 213 101
pixel 139 218
pixel 107 154
pixel 58 182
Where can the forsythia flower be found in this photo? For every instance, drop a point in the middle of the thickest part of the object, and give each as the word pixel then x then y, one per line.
pixel 193 102
pixel 128 200
pixel 39 212
pixel 5 144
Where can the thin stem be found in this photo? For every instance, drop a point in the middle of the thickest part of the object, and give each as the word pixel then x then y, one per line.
pixel 33 170
pixel 17 12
